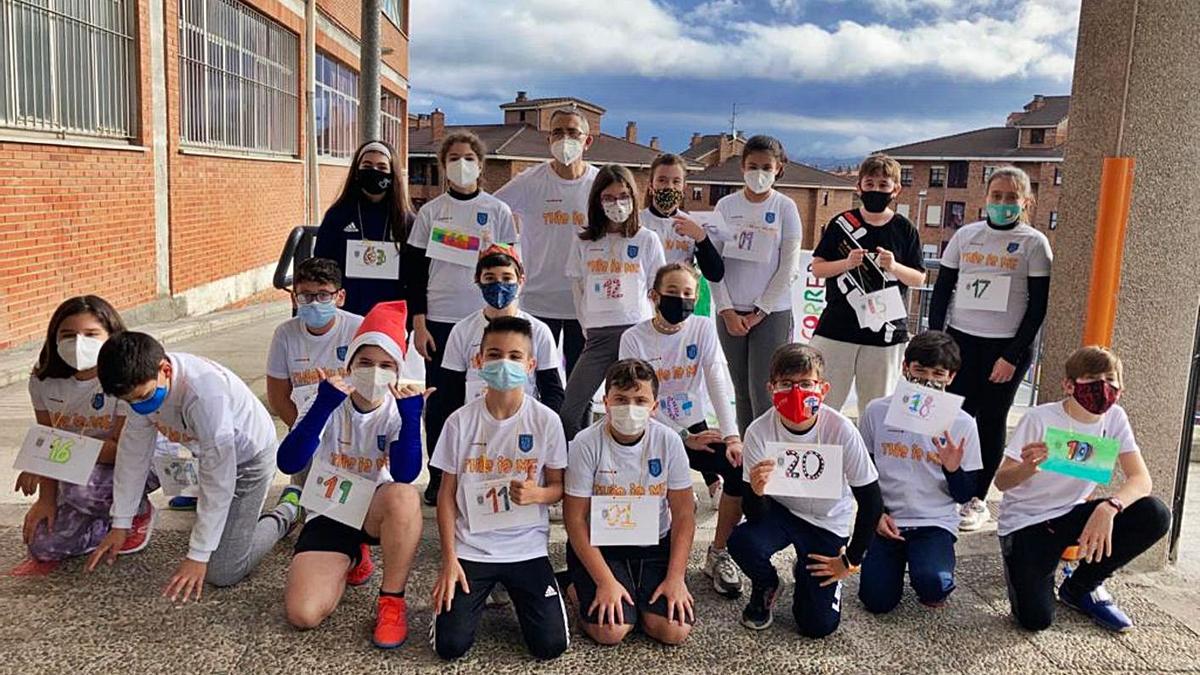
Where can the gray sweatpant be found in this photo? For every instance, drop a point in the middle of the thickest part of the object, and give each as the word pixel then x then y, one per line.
pixel 601 349
pixel 247 537
pixel 749 359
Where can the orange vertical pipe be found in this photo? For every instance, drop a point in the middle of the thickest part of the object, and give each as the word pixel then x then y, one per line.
pixel 1112 217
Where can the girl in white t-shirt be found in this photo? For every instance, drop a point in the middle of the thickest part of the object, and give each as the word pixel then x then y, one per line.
pixel 70 520
pixel 991 295
pixel 1046 509
pixel 683 239
pixel 612 266
pixel 449 233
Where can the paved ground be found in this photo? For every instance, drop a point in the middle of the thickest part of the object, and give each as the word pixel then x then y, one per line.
pixel 114 620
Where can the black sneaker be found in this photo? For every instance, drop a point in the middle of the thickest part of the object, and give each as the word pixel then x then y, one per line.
pixel 431 493
pixel 757 615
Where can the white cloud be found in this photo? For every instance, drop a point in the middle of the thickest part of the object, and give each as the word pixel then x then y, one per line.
pixel 461 49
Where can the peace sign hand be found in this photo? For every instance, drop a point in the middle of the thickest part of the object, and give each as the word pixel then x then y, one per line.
pixel 950 453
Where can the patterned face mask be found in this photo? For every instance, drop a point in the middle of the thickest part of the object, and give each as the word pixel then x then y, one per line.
pixel 667 200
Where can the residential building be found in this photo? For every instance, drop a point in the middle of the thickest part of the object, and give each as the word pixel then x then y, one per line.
pixel 945 179
pixel 152 153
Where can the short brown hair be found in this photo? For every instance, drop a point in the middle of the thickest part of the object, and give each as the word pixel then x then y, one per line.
pixel 796 358
pixel 462 137
pixel 675 267
pixel 1093 360
pixel 626 373
pixel 667 159
pixel 769 145
pixel 879 164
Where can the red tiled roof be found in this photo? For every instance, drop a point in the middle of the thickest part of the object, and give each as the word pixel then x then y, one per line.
pixel 1054 109
pixel 707 144
pixel 544 102
pixel 794 175
pixel 989 143
pixel 523 141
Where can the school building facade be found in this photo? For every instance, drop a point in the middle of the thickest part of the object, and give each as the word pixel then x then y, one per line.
pixel 152 152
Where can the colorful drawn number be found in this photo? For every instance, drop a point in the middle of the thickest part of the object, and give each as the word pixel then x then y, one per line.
pixel 612 288
pixel 496 496
pixel 331 484
pixel 914 403
pixel 800 466
pixel 60 450
pixel 1079 451
pixel 926 408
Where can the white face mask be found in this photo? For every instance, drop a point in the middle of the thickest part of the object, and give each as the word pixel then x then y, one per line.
pixel 80 351
pixel 619 211
pixel 567 151
pixel 629 420
pixel 759 180
pixel 462 172
pixel 372 382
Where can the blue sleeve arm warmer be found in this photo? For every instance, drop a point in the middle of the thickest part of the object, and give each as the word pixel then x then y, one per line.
pixel 301 443
pixel 962 484
pixel 404 454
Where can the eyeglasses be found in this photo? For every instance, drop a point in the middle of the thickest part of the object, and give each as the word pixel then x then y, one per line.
pixel 785 385
pixel 574 134
pixel 319 296
pixel 608 200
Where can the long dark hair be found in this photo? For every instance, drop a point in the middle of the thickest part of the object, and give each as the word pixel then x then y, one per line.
pixel 597 224
pixel 49 363
pixel 399 207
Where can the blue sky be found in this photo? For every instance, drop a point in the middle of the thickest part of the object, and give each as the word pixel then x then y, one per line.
pixel 831 78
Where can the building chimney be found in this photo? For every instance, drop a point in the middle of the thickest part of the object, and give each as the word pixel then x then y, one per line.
pixel 437 122
pixel 696 138
pixel 1037 103
pixel 654 144
pixel 521 96
pixel 631 132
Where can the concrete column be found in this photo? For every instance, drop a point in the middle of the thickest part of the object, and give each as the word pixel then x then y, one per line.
pixel 368 82
pixel 1134 95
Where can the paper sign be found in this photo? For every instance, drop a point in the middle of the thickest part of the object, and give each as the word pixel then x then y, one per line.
pixel 712 222
pixel 682 408
pixel 624 521
pixel 922 410
pixel 808 302
pixel 372 260
pixel 458 246
pixel 752 243
pixel 805 470
pixel 613 292
pixel 338 494
pixel 178 476
pixel 490 507
pixel 1081 456
pixel 877 308
pixel 58 454
pixel 988 292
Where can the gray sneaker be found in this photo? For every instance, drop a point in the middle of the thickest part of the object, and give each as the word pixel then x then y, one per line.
pixel 974 515
pixel 726 577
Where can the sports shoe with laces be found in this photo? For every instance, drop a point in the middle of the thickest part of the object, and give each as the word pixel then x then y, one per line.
pixel 1098 605
pixel 141 529
pixel 361 573
pixel 724 572
pixel 757 615
pixel 391 622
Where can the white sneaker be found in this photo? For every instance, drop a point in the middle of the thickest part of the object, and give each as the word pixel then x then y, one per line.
pixel 714 493
pixel 974 515
pixel 556 512
pixel 726 577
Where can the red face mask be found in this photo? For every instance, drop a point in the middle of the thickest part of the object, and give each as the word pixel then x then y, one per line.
pixel 1096 397
pixel 797 405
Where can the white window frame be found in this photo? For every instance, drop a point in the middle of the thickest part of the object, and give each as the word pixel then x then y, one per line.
pixel 933 215
pixel 336 108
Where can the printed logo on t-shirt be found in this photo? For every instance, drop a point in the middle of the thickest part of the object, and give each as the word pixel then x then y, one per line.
pixel 693 351
pixel 381 441
pixel 341 352
pixel 1013 246
pixel 350 228
pixel 481 217
pixel 632 251
pixel 992 260
pixel 97 401
pixel 770 217
pixel 655 466
pixel 525 442
pixel 912 452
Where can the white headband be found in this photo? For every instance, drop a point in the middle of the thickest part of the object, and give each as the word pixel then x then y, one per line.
pixel 375 146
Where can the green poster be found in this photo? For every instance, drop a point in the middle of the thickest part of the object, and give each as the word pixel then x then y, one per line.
pixel 1081 455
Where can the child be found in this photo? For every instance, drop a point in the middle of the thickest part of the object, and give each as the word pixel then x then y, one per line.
pixel 923 480
pixel 683 350
pixel 763 258
pixel 612 267
pixel 504 441
pixel 866 251
pixel 71 520
pixel 355 427
pixel 445 243
pixel 817 528
pixel 629 454
pixel 500 277
pixel 202 405
pixel 995 327
pixel 313 342
pixel 1043 513
pixel 683 239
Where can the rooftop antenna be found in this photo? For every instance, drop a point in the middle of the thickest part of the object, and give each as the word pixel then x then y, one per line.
pixel 733 121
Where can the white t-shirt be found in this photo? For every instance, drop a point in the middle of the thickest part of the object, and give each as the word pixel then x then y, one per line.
pixel 914 487
pixel 78 406
pixel 460 227
pixel 1046 495
pixel 746 280
pixel 296 354
pixel 1019 253
pixel 676 247
pixel 462 351
pixel 831 429
pixel 360 442
pixel 598 465
pixel 679 360
pixel 635 260
pixel 478 447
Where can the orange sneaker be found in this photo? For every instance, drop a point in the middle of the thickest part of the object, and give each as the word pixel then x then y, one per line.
pixel 391 622
pixel 361 573
pixel 139 533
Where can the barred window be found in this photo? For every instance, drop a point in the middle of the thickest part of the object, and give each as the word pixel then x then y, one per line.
pixel 391 120
pixel 336 108
pixel 394 10
pixel 69 67
pixel 238 75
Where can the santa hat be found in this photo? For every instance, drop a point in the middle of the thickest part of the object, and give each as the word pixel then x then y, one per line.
pixel 383 327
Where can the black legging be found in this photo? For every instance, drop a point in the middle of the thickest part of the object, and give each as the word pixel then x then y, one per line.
pixel 988 402
pixel 714 464
pixel 435 409
pixel 570 338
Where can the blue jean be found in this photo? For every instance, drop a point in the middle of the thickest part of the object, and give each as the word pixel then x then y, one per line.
pixel 927 552
pixel 817 609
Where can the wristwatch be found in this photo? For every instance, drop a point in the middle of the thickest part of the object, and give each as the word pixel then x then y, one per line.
pixel 1115 503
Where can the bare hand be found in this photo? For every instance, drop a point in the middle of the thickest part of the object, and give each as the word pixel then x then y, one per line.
pixel 451 576
pixel 27 483
pixel 1002 372
pixel 830 567
pixel 188 581
pixel 855 257
pixel 336 381
pixel 1034 454
pixel 887 528
pixel 408 390
pixel 679 600
pixel 609 596
pixel 1095 542
pixel 753 319
pixel 885 258
pixel 759 475
pixel 686 227
pixel 951 455
pixel 700 442
pixel 733 450
pixel 526 492
pixel 735 324
pixel 42 510
pixel 108 548
pixel 424 342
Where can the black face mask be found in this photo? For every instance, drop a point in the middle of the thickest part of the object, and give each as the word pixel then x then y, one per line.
pixel 674 309
pixel 875 201
pixel 374 181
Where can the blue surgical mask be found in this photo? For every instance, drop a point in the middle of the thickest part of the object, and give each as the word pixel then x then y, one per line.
pixel 1003 214
pixel 152 404
pixel 503 374
pixel 499 294
pixel 317 314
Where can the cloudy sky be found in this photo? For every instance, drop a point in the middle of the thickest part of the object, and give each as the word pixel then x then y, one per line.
pixel 832 78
